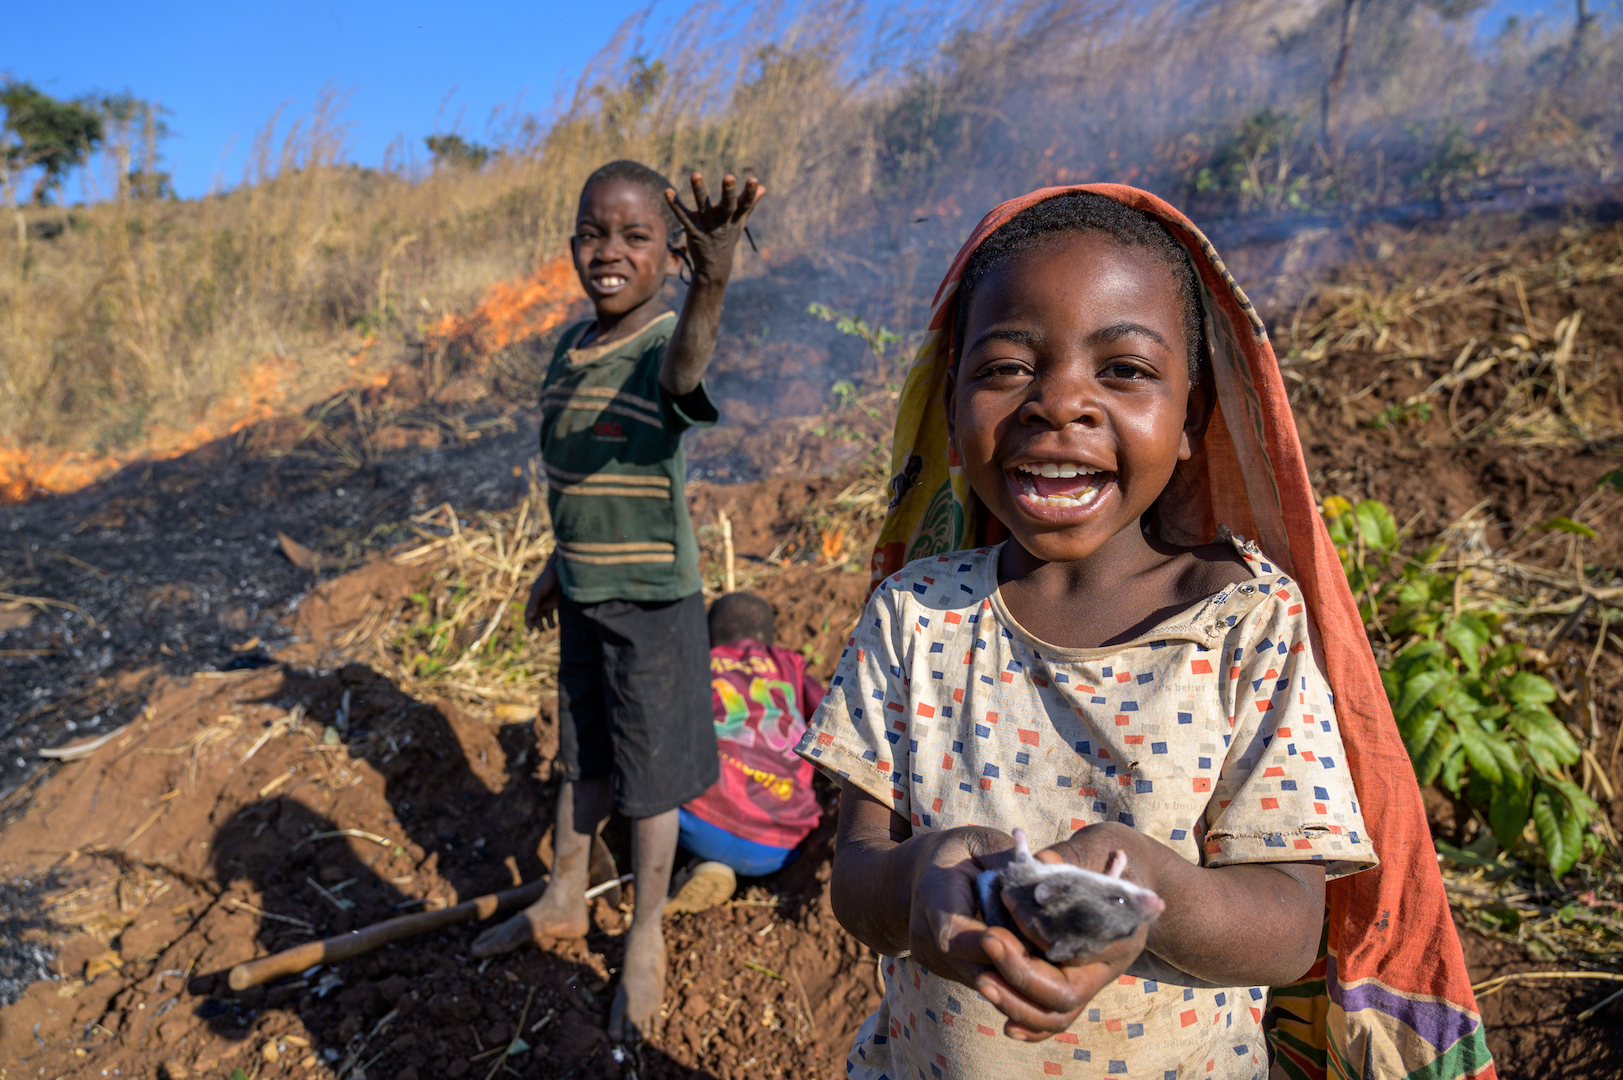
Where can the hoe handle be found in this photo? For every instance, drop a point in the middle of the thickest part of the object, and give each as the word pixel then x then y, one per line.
pixel 356 942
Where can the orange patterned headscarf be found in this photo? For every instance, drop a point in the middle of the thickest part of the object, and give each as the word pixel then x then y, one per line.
pixel 1390 996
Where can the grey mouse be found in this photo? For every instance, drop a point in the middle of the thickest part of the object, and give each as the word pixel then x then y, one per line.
pixel 1081 912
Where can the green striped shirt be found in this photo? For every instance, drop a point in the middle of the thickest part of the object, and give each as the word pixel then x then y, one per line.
pixel 611 441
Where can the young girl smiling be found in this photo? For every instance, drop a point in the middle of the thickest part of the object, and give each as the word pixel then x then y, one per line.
pixel 1121 674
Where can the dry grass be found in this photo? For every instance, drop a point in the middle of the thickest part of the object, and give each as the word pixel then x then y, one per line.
pixel 1503 898
pixel 1515 344
pixel 461 638
pixel 146 326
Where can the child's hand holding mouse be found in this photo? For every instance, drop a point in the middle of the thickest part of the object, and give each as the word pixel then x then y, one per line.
pixel 1041 997
pixel 902 893
pixel 1210 928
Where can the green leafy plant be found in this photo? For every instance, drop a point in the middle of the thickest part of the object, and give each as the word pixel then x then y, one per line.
pixel 877 338
pixel 1256 162
pixel 1474 717
pixel 1396 413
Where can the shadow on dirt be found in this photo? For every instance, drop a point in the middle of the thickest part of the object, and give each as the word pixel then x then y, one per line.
pixel 474 814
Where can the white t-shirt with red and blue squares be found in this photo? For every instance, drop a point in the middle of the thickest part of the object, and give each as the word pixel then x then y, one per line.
pixel 1213 733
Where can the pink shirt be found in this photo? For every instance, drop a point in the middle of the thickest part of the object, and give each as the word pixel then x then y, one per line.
pixel 761 695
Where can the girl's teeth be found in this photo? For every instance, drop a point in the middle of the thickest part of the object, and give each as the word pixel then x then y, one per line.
pixel 1064 502
pixel 1083 498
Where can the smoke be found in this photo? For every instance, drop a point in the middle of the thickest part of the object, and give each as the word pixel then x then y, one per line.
pixel 883 135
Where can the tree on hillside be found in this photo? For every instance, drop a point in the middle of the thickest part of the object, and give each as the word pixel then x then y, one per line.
pixel 44 133
pixel 133 130
pixel 1447 10
pixel 459 153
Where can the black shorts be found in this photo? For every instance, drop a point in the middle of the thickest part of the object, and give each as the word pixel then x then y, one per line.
pixel 634 700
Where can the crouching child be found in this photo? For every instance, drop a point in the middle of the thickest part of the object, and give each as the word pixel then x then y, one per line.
pixel 752 820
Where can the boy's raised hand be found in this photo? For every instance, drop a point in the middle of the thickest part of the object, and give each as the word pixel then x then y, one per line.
pixel 713 229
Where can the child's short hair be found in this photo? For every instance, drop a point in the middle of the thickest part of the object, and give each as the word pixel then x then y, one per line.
pixel 1084 211
pixel 741 615
pixel 635 172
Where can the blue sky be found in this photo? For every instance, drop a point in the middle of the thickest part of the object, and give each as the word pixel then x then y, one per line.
pixel 410 68
pixel 222 69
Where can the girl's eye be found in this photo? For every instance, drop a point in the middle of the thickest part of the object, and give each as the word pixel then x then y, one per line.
pixel 1001 369
pixel 1124 370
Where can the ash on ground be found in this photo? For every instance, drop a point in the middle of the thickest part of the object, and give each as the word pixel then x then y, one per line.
pixel 25 952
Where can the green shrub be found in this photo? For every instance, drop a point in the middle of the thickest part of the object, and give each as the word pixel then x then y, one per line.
pixel 1256 162
pixel 1473 715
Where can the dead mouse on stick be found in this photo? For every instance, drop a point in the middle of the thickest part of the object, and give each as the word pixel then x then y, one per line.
pixel 1081 912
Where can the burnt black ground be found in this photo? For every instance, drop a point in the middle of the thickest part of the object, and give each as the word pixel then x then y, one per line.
pixel 173 563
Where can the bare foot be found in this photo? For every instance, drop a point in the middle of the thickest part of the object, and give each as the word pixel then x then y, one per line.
pixel 635 1013
pixel 542 921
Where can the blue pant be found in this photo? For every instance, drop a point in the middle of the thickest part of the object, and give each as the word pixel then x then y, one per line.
pixel 716 844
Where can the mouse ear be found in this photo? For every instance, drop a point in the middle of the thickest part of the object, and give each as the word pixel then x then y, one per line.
pixel 1043 893
pixel 1116 865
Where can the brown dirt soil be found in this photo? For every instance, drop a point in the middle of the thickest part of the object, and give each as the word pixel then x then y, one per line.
pixel 186 855
pixel 173 852
pixel 187 858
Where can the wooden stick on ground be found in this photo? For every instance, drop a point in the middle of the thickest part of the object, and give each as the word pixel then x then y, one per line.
pixel 357 942
pixel 1499 982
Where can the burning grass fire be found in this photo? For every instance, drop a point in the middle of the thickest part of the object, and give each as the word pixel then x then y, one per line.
pixel 28 471
pixel 509 313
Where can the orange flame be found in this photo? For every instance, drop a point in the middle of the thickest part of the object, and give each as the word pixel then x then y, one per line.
pixel 509 312
pixel 29 471
pixel 514 311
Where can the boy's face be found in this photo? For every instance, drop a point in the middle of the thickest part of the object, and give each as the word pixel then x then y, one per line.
pixel 620 246
pixel 1070 406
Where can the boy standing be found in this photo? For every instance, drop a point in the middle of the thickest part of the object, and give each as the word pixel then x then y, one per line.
pixel 634 715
